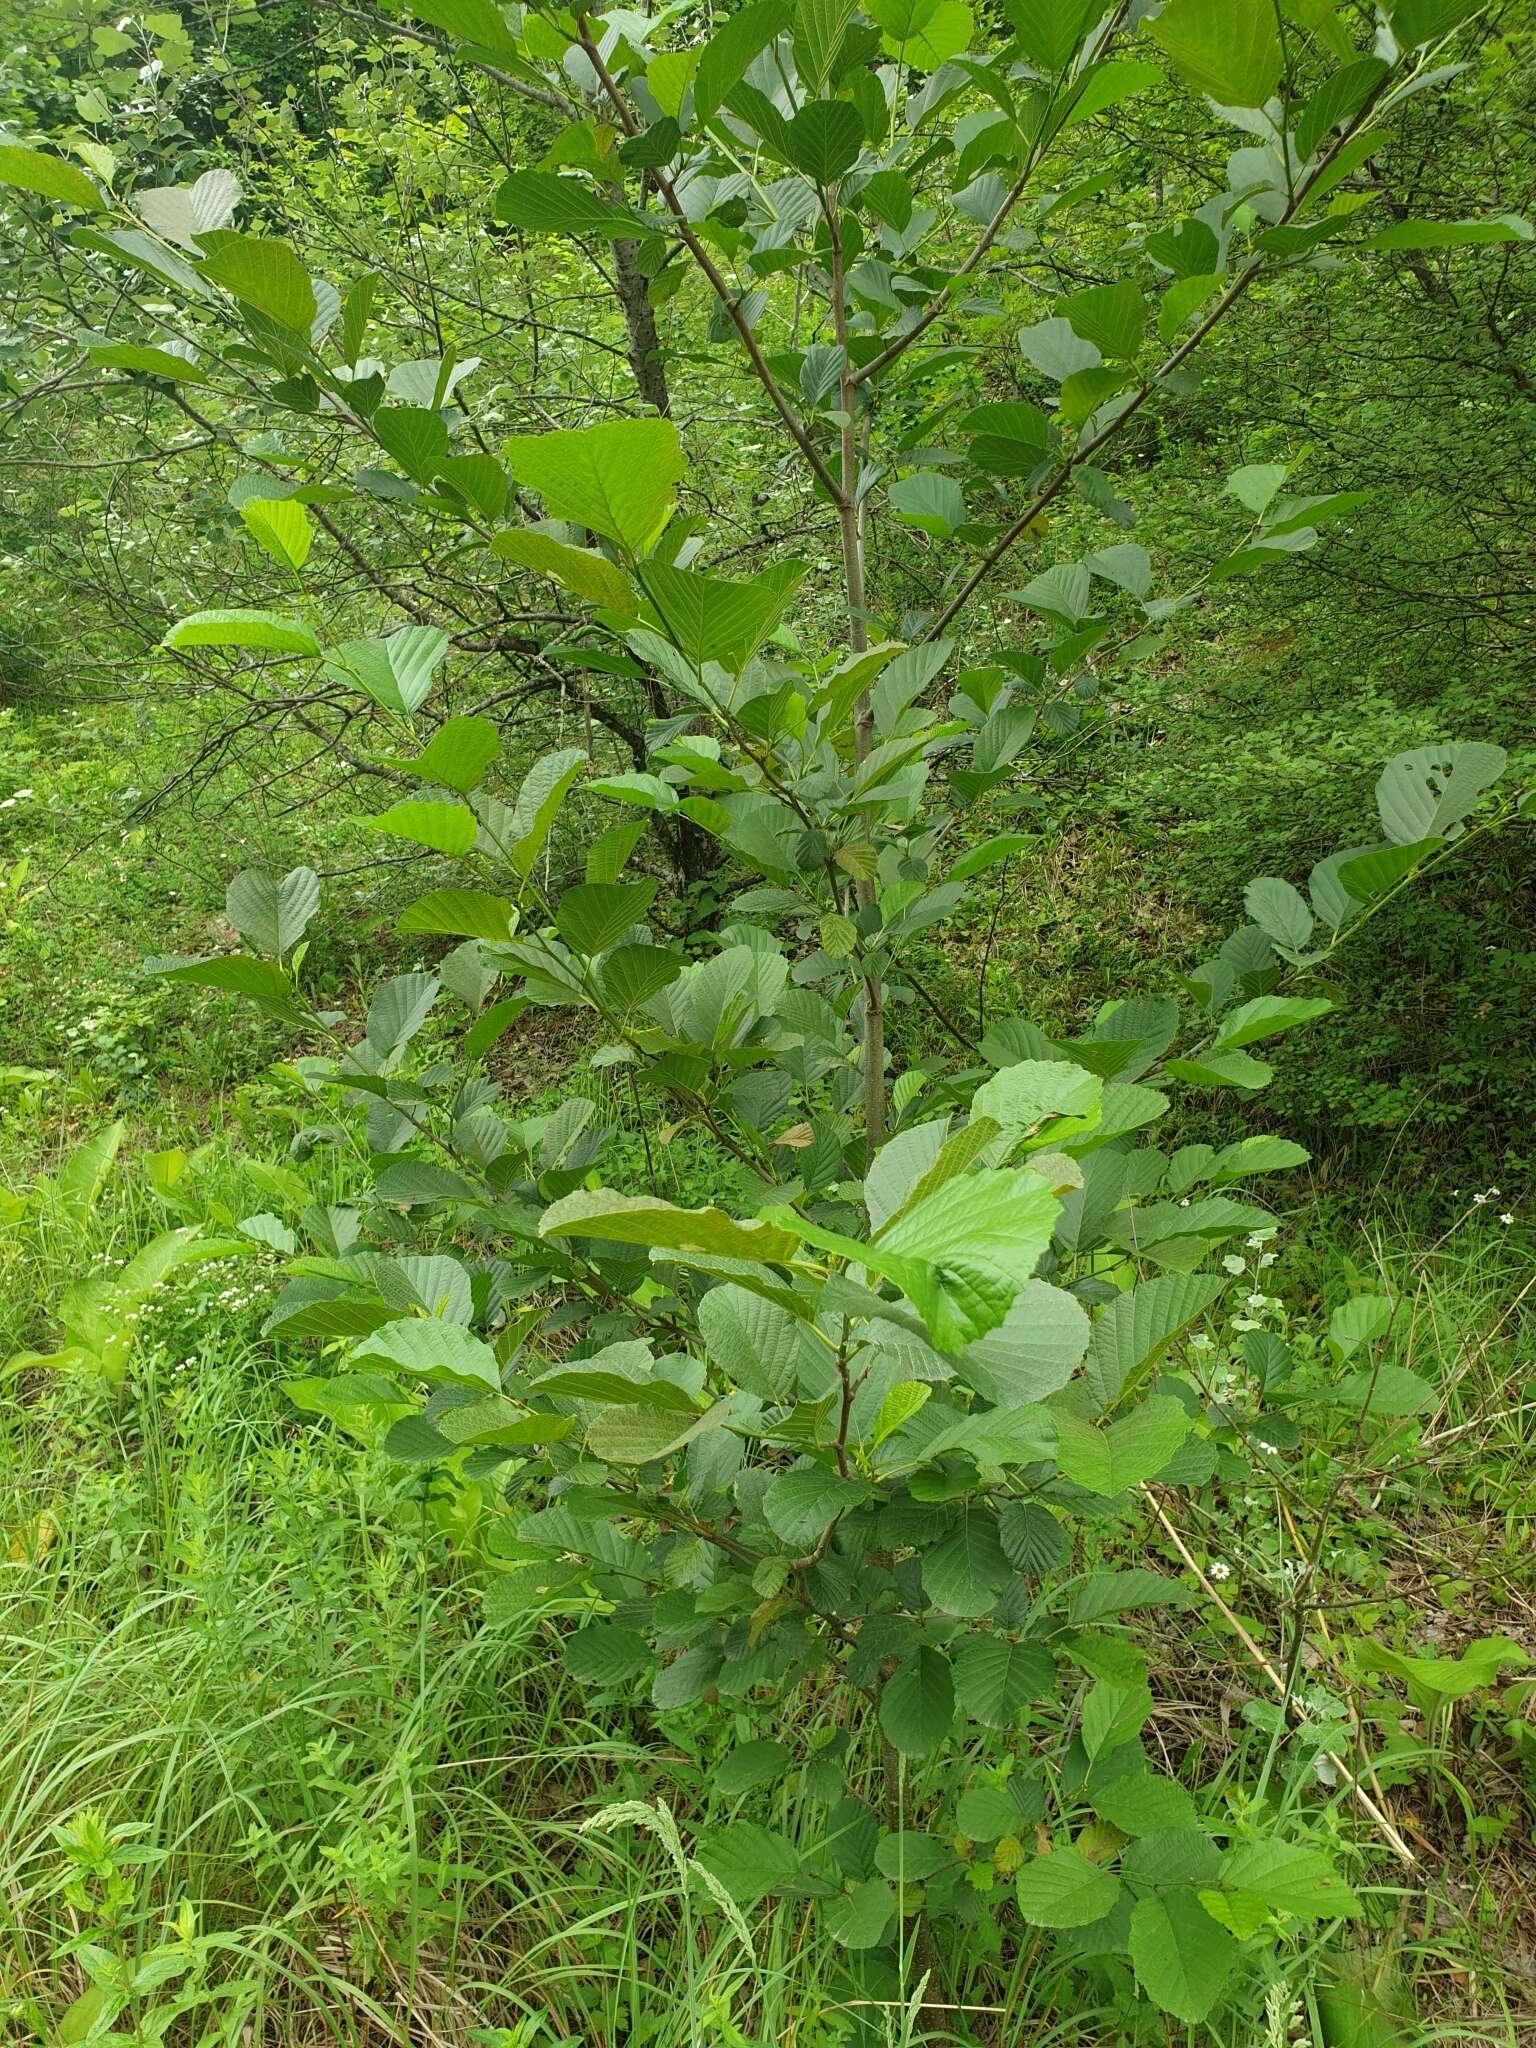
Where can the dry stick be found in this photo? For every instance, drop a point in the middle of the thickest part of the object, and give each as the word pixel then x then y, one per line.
pixel 1363 1798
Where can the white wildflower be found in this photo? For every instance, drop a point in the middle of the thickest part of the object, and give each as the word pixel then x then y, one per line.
pixel 1220 1570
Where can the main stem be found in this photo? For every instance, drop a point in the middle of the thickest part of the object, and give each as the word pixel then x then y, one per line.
pixel 850 519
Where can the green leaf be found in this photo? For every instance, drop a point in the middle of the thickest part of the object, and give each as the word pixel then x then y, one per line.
pixel 1267 1017
pixel 427 1348
pixel 1034 1350
pixel 1136 1448
pixel 1432 1682
pixel 29 170
pixel 1220 1070
pixel 1229 49
pixel 709 618
pixel 1064 1890
pixel 1030 1093
pixel 725 57
pixel 1140 1803
pixel 1415 22
pixel 631 975
pixel 613 1388
pixel 152 362
pixel 934 504
pixel 748 1860
pixel 1452 234
pixel 1373 872
pixel 272 914
pixel 595 915
pixel 80 1179
pixel 751 1765
pixel 590 576
pixel 445 828
pixel 965 1572
pixel 909 1857
pixel 1111 316
pixel 1279 909
pixel 758 1345
pixel 458 913
pixel 996 1679
pixel 267 631
pixel 618 478
pixel 605 1654
pixel 458 753
pixel 1426 793
pixel 282 527
pixel 265 274
pixel 1360 1320
pixel 548 202
pixel 544 789
pixel 1136 1328
pixel 1002 846
pixel 824 139
pixel 820 29
pixel 1182 1959
pixel 1106 85
pixel 1050 32
pixel 480 22
pixel 1011 438
pixel 234 974
pixel 396 672
pixel 800 1506
pixel 641 1436
pixel 639 1219
pixel 859 1917
pixel 917 1703
pixel 964 1252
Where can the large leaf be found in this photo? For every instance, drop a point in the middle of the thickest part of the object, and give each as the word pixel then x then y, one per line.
pixel 1034 1350
pixel 547 202
pixel 588 575
pixel 271 913
pixel 1452 234
pixel 996 1679
pixel 1426 793
pixel 1136 1448
pixel 757 1344
pixel 445 828
pixel 427 1348
pixel 1182 1959
pixel 595 915
pixel 1064 1890
pixel 458 913
pixel 824 139
pixel 964 1252
pixel 935 504
pixel 395 672
pixel 29 170
pixel 544 789
pixel 1229 49
pixel 724 59
pixel 618 478
pixel 265 274
pixel 801 1506
pixel 1267 1017
pixel 964 1572
pixel 1050 31
pixel 1433 1681
pixel 639 1219
pixel 1136 1329
pixel 266 631
pixel 180 213
pixel 712 619
pixel 917 1703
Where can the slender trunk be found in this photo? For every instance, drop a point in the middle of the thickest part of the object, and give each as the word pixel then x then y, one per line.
pixel 850 515
pixel 640 325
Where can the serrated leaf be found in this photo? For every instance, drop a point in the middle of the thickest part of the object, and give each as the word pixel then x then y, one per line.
pixel 548 202
pixel 427 1348
pixel 1228 49
pixel 801 1506
pixel 917 1703
pixel 1182 1959
pixel 1064 1890
pixel 1136 1448
pixel 996 1679
pixel 1426 793
pixel 588 575
pixel 618 478
pixel 964 1572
